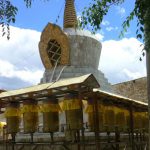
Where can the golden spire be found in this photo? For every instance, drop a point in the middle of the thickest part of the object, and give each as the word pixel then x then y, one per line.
pixel 70 18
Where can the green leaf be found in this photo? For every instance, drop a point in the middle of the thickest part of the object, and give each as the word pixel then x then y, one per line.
pixel 139 36
pixel 142 29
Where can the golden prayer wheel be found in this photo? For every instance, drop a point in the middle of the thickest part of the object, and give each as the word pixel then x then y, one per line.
pixel 74 119
pixel 92 115
pixel 73 111
pixel 109 118
pixel 140 120
pixel 30 115
pixel 120 118
pixel 137 118
pixel 50 109
pixel 91 120
pixel 13 115
pixel 128 121
pixel 145 122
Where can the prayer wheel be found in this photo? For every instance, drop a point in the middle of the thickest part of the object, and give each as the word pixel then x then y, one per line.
pixel 91 121
pixel 137 118
pixel 145 121
pixel 120 118
pixel 109 118
pixel 30 116
pixel 74 119
pixel 13 115
pixel 92 115
pixel 73 111
pixel 50 109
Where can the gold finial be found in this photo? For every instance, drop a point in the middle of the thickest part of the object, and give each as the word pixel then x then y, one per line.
pixel 70 18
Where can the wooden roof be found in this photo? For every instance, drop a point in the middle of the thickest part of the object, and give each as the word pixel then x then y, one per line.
pixel 120 100
pixel 44 89
pixel 83 84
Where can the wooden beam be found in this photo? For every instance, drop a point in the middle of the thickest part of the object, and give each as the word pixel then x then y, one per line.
pixel 96 120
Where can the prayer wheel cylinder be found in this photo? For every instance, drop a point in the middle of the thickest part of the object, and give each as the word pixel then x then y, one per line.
pixel 91 121
pixel 128 121
pixel 13 114
pixel 50 122
pixel 74 119
pixel 50 115
pixel 92 115
pixel 137 118
pixel 109 118
pixel 120 120
pixel 30 116
pixel 145 121
pixel 73 111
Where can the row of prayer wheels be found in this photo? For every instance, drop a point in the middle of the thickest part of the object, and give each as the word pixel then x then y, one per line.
pixel 50 110
pixel 109 116
pixel 30 109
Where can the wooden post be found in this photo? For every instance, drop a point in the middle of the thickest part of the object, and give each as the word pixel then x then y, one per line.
pixel 13 135
pixel 52 137
pixel 117 137
pixel 78 132
pixel 31 134
pixel 96 121
pixel 131 126
pixel 78 139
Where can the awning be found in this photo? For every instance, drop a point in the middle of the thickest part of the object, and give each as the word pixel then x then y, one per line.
pixel 86 80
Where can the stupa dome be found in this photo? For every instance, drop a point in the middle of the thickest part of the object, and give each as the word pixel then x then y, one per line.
pixel 85 48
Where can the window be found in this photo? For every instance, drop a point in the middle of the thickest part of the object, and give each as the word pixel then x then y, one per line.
pixel 54 52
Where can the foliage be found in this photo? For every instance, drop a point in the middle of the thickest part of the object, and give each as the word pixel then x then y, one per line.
pixel 8 14
pixel 95 13
pixel 28 3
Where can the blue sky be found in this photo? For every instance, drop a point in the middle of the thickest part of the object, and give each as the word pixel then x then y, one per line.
pixel 40 13
pixel 19 57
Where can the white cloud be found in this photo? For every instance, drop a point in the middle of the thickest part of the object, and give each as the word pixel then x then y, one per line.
pixel 121 11
pixel 105 23
pixel 79 16
pixel 99 36
pixel 133 75
pixel 19 56
pixel 120 60
pixel 10 71
pixel 111 28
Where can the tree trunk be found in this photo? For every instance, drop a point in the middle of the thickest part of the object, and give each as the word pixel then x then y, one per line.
pixel 148 87
pixel 147 47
